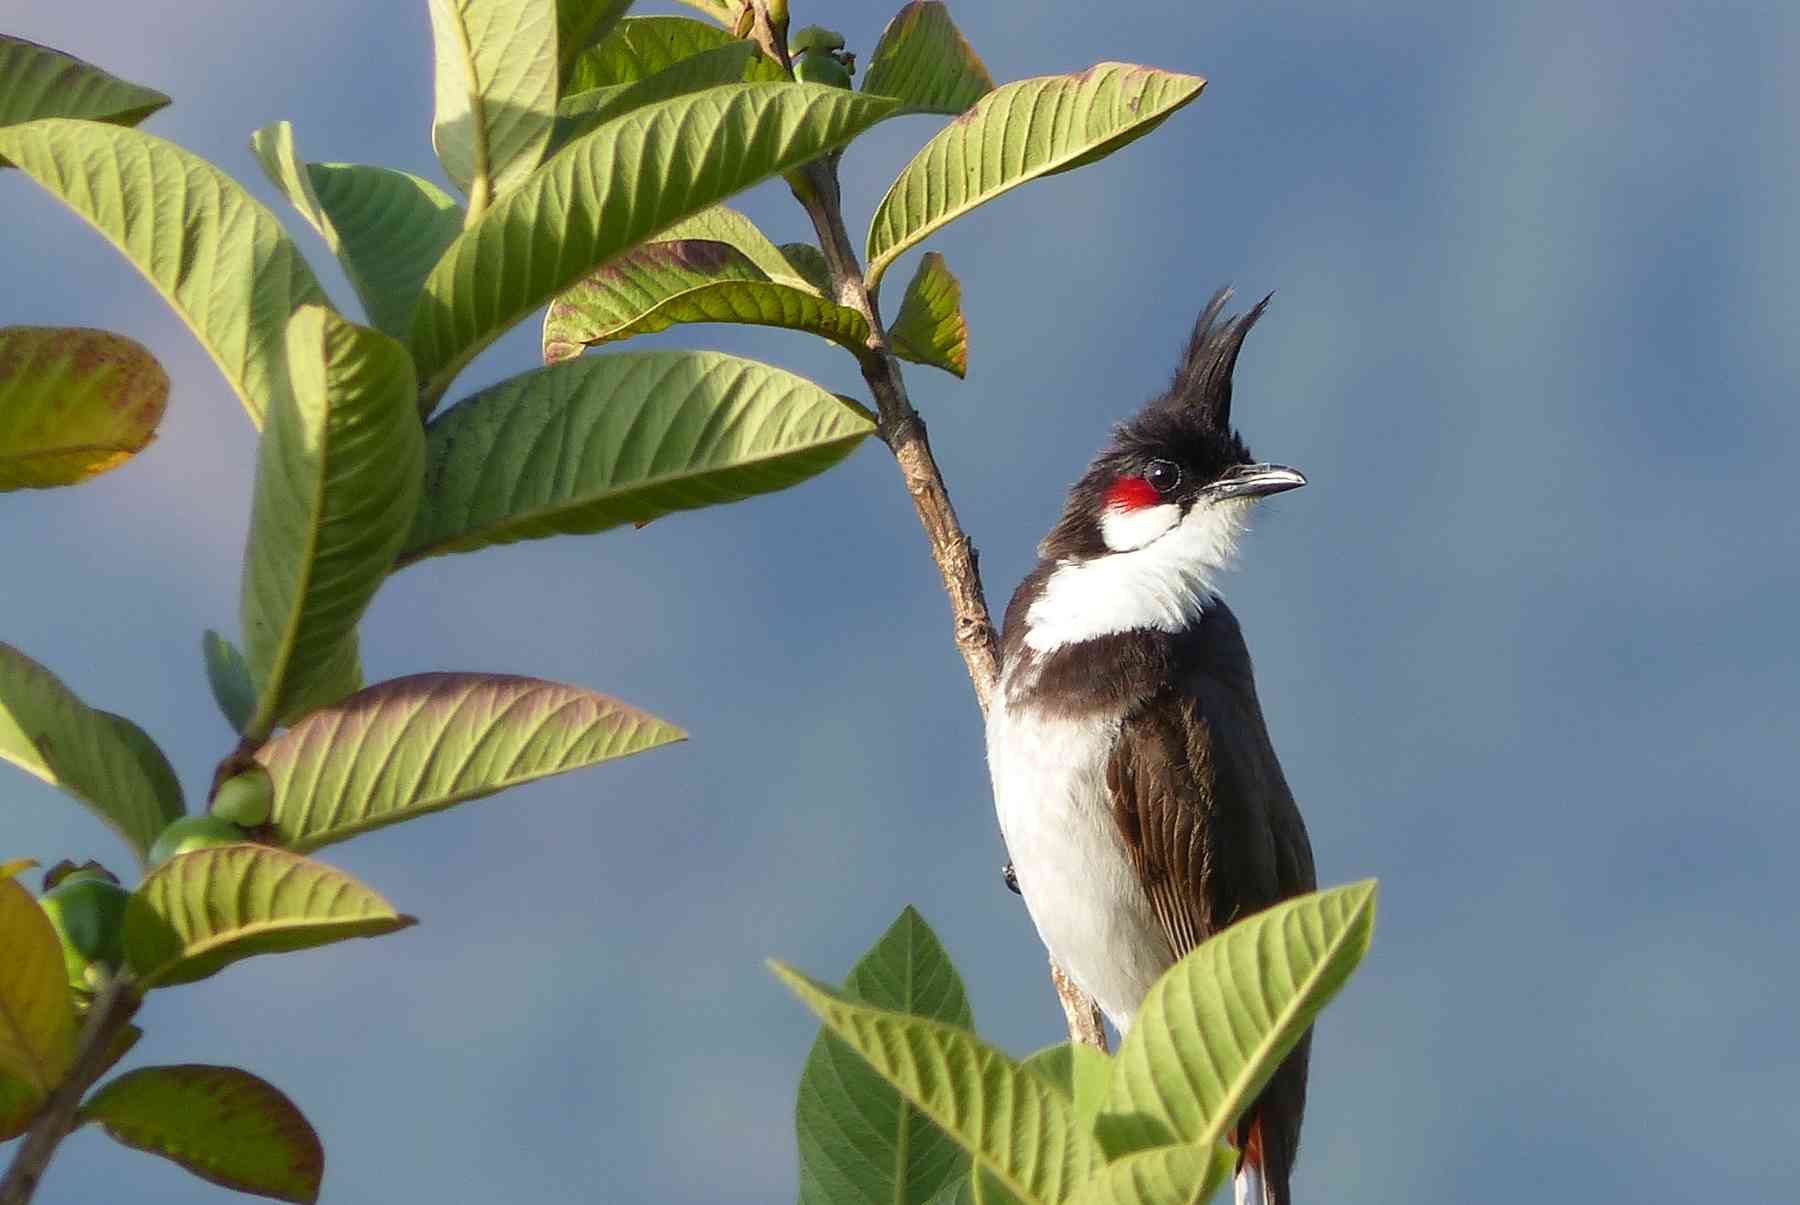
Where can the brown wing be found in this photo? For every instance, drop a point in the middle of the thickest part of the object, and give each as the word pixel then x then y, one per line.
pixel 1205 812
pixel 1214 834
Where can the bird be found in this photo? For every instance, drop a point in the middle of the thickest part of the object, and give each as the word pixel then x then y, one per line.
pixel 1138 792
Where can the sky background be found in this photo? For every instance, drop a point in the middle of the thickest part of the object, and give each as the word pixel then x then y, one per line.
pixel 1526 643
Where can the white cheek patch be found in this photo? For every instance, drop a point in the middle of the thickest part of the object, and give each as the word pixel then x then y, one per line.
pixel 1124 530
pixel 1164 584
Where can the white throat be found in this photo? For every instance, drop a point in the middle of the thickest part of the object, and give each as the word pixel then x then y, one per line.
pixel 1162 578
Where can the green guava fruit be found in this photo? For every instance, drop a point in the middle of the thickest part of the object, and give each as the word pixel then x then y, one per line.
pixel 246 798
pixel 88 913
pixel 190 833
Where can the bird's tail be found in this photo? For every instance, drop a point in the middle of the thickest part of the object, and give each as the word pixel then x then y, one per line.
pixel 1253 1183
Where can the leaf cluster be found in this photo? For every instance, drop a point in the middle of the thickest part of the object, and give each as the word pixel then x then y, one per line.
pixel 589 154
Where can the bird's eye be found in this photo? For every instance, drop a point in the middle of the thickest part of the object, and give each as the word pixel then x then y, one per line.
pixel 1163 475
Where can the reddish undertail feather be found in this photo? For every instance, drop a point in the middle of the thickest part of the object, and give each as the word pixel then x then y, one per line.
pixel 1131 493
pixel 1251 1185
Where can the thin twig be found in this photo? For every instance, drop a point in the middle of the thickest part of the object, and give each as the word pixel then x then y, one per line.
pixel 109 1014
pixel 816 188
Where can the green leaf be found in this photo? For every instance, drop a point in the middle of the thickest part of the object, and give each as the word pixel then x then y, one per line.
pixel 641 173
pixel 859 1139
pixel 1159 1176
pixel 1079 1071
pixel 337 483
pixel 228 674
pixel 36 81
pixel 221 1123
pixel 416 745
pixel 37 1022
pixel 1217 1024
pixel 199 912
pixel 103 760
pixel 722 224
pixel 723 11
pixel 220 259
pixel 974 1188
pixel 496 91
pixel 660 284
pixel 729 64
pixel 1015 1125
pixel 1024 130
pixel 640 47
pixel 580 24
pixel 931 329
pixel 623 438
pixel 387 228
pixel 808 263
pixel 19 1104
pixel 73 403
pixel 924 61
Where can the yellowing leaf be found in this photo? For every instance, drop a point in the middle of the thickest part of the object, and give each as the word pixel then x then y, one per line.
pixel 73 403
pixel 222 1124
pixel 37 1022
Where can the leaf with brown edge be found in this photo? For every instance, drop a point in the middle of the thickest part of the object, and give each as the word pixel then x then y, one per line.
pixel 924 62
pixel 930 328
pixel 38 81
pixel 658 285
pixel 199 912
pixel 416 745
pixel 221 1123
pixel 74 403
pixel 37 1022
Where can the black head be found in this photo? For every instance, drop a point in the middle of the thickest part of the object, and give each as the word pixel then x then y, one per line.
pixel 1179 451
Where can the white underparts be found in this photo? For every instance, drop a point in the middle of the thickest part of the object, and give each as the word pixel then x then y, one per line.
pixel 1162 583
pixel 1073 869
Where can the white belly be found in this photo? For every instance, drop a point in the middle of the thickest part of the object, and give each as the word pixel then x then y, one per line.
pixel 1073 869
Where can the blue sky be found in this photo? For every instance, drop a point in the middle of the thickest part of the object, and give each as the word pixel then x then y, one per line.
pixel 1525 643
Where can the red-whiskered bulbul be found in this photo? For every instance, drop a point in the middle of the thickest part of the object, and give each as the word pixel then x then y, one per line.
pixel 1138 792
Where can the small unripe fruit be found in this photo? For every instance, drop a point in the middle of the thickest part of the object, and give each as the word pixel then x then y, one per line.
pixel 190 833
pixel 822 68
pixel 815 37
pixel 88 914
pixel 246 798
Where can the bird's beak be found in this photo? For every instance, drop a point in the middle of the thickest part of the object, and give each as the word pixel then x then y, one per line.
pixel 1255 481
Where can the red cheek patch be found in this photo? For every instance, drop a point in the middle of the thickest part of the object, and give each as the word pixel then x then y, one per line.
pixel 1131 493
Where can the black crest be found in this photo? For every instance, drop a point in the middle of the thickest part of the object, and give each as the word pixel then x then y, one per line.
pixel 1203 382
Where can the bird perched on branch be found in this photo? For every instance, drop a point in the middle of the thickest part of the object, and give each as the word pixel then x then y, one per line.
pixel 1139 794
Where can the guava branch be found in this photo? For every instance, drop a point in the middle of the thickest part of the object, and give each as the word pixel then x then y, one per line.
pixel 816 187
pixel 107 1018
